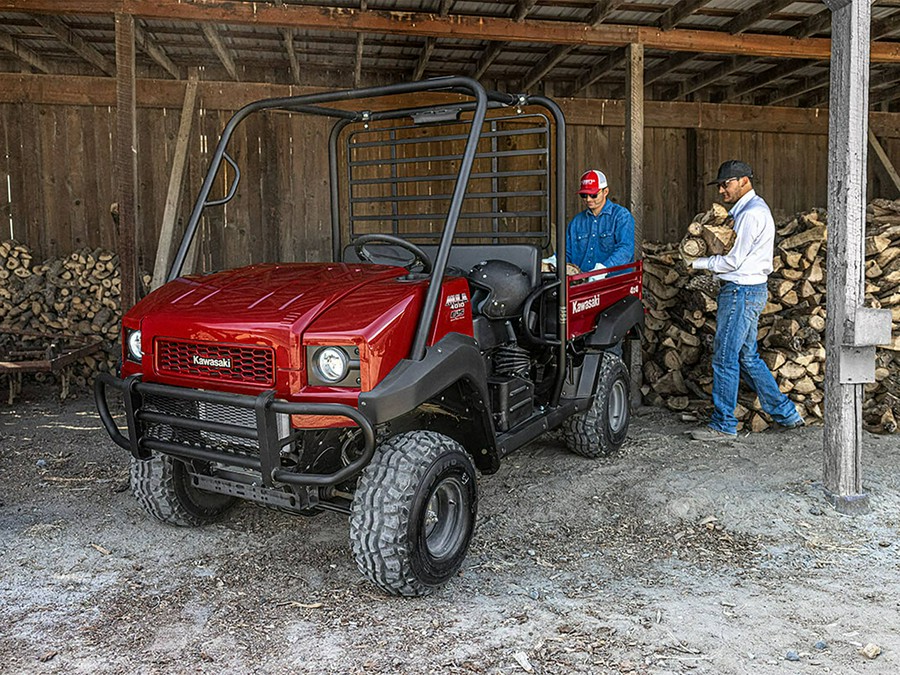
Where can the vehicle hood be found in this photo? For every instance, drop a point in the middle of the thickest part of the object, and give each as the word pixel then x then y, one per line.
pixel 227 304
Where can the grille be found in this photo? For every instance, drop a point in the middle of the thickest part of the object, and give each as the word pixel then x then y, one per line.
pixel 205 411
pixel 228 415
pixel 210 361
pixel 209 412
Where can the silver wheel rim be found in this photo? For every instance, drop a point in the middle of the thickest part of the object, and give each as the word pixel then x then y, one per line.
pixel 618 406
pixel 444 518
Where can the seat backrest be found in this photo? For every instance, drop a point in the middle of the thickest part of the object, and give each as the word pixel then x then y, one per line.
pixel 466 256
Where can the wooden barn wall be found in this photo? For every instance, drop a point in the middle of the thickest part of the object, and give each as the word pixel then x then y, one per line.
pixel 57 183
pixel 791 170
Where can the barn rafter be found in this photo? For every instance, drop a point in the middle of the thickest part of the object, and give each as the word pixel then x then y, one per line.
pixel 561 42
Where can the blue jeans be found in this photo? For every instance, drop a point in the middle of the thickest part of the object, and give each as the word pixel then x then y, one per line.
pixel 737 325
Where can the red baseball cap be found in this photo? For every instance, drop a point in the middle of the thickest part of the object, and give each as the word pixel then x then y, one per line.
pixel 592 182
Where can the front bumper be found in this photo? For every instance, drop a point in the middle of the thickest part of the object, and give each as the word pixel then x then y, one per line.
pixel 263 440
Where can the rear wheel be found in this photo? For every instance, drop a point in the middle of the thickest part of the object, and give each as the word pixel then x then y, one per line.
pixel 601 429
pixel 163 487
pixel 413 513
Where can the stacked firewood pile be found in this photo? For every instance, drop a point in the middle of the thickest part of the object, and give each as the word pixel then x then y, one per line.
pixel 682 305
pixel 76 295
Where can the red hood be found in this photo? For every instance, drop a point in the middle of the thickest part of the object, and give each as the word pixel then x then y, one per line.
pixel 248 298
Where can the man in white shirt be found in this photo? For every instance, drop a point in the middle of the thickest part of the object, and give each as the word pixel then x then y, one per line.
pixel 743 293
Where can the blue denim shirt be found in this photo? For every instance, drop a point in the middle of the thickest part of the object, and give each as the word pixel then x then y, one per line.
pixel 607 239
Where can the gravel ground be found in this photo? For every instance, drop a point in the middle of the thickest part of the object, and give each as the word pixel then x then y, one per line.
pixel 674 556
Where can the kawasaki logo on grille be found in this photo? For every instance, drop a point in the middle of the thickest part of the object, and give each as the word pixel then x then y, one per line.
pixel 215 363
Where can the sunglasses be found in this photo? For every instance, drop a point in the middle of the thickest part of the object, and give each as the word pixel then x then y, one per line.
pixel 593 196
pixel 724 183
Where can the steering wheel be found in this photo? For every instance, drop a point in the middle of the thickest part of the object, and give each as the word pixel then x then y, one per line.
pixel 419 256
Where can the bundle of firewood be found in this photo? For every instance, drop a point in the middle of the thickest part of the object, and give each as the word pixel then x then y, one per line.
pixel 681 321
pixel 76 295
pixel 710 233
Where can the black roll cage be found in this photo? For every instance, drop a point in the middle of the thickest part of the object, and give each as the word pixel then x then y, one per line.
pixel 482 101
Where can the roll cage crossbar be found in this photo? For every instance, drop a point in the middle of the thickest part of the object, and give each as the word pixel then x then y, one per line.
pixel 316 104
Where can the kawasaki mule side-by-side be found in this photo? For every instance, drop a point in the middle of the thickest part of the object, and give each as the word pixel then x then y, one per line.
pixel 379 383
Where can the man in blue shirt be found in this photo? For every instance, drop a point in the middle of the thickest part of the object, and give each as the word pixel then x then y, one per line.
pixel 603 234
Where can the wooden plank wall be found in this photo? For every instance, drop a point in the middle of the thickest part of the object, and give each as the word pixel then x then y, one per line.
pixel 57 163
pixel 791 170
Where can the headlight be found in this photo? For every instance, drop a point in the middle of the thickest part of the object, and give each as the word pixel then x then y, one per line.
pixel 133 343
pixel 332 364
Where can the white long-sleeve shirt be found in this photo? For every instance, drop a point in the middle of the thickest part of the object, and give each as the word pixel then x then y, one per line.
pixel 749 261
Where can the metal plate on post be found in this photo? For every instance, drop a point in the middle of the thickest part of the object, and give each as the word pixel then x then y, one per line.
pixel 857 365
pixel 872 327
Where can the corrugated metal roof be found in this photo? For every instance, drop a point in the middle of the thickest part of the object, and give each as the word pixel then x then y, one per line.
pixel 259 51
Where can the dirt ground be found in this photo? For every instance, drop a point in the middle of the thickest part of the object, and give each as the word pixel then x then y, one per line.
pixel 672 557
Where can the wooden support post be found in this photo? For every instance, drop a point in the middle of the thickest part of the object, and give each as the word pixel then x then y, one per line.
pixel 173 196
pixel 126 158
pixel 634 172
pixel 847 127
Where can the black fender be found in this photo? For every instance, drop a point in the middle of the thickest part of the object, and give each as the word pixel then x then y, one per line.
pixel 452 369
pixel 616 321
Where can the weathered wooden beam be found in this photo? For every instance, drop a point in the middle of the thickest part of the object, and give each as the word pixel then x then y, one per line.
pixel 758 12
pixel 598 70
pixel 126 159
pixel 155 52
pixel 797 89
pixel 287 37
pixel 711 76
pixel 679 11
pixel 176 182
pixel 358 59
pixel 74 42
pixel 522 8
pixel 159 93
pixel 597 15
pixel 487 58
pixel 10 44
pixel 545 65
pixel 671 64
pixel 814 24
pixel 460 26
pixel 885 26
pixel 765 78
pixel 424 57
pixel 634 177
pixel 212 36
pixel 430 42
pixel 634 136
pixel 360 47
pixel 885 160
pixel 493 50
pixel 601 10
pixel 844 280
pixel 888 80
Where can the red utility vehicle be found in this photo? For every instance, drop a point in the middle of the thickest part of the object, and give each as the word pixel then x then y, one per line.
pixel 429 347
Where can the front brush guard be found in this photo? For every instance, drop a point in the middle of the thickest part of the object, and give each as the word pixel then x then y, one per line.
pixel 265 407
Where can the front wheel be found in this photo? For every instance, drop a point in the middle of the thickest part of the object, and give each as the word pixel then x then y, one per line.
pixel 164 488
pixel 601 429
pixel 413 513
